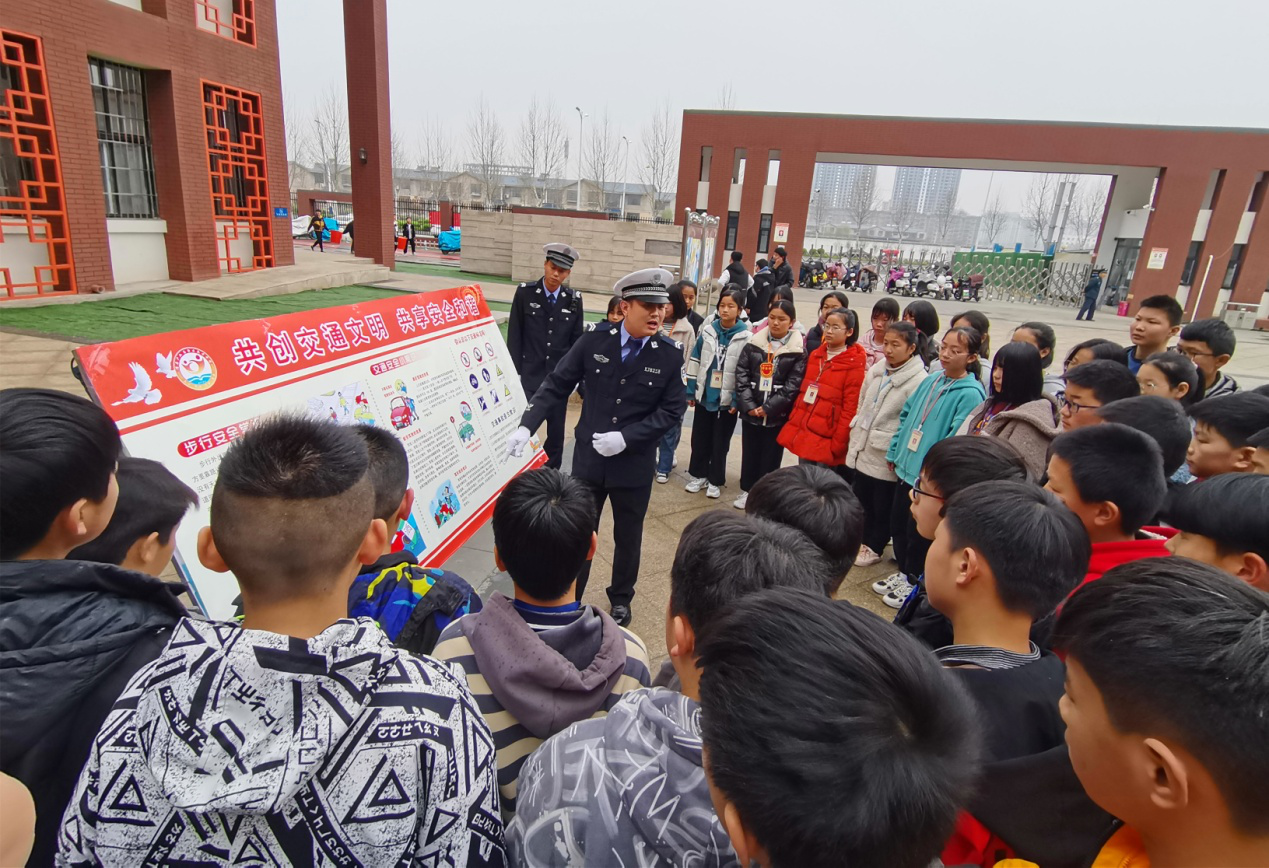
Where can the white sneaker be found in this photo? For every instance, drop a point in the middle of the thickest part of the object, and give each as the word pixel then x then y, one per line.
pixel 740 502
pixel 867 557
pixel 674 462
pixel 881 587
pixel 714 491
pixel 895 598
pixel 663 478
pixel 694 484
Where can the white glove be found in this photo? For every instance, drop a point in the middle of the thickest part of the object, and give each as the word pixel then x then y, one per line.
pixel 609 443
pixel 517 441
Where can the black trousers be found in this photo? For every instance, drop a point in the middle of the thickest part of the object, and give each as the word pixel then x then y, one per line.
pixel 1089 306
pixel 711 440
pixel 909 546
pixel 759 453
pixel 877 497
pixel 553 445
pixel 629 506
pixel 412 250
pixel 317 242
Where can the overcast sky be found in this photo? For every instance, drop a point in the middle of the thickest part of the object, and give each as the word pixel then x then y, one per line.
pixel 1121 61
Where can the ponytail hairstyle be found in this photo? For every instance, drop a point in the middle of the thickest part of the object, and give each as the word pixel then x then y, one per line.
pixel 977 320
pixel 786 306
pixel 908 332
pixel 850 319
pixel 973 341
pixel 1178 368
pixel 926 319
pixel 1045 338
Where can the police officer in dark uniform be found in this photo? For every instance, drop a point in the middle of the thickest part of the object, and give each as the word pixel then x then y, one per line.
pixel 635 392
pixel 546 320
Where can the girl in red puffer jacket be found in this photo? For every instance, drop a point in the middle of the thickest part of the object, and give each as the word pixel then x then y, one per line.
pixel 818 429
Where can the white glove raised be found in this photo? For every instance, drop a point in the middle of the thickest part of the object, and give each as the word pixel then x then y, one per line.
pixel 609 443
pixel 517 441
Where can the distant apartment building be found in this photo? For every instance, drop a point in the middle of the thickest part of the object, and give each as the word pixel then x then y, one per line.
pixel 140 140
pixel 836 181
pixel 925 189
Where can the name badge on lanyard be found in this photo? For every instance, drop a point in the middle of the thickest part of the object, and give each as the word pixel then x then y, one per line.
pixel 764 383
pixel 812 391
pixel 715 379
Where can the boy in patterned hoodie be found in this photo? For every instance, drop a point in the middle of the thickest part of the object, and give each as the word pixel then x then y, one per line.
pixel 301 737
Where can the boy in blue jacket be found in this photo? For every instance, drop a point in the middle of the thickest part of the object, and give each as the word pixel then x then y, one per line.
pixel 412 604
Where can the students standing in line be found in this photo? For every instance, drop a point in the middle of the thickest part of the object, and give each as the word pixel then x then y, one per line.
pixel 711 387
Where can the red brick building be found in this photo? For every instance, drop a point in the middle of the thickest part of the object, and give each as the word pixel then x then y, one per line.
pixel 1194 197
pixel 139 140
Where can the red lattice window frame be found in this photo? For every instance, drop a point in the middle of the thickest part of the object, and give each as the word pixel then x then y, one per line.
pixel 39 206
pixel 239 177
pixel 241 26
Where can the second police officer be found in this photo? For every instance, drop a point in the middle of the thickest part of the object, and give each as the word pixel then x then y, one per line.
pixel 634 394
pixel 546 320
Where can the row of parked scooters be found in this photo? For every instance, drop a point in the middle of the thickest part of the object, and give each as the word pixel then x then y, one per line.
pixel 937 282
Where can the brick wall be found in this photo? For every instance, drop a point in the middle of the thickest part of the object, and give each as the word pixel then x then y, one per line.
pixel 164 41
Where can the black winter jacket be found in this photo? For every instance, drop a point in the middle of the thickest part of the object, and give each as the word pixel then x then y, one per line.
pixel 72 633
pixel 789 367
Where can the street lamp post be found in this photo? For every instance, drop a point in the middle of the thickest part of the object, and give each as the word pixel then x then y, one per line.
pixel 625 167
pixel 581 121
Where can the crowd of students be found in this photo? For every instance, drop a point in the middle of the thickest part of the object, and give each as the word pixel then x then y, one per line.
pixel 1077 669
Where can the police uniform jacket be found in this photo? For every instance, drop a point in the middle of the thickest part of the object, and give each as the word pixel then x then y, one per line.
pixel 540 333
pixel 642 398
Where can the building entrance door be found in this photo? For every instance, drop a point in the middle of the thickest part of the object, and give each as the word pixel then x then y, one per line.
pixel 1122 267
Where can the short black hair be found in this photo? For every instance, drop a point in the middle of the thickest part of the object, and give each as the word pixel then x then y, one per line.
pixel 151 500
pixel 736 256
pixel 1177 369
pixel 1216 333
pixel 1115 463
pixel 780 250
pixel 820 504
pixel 686 283
pixel 1045 338
pixel 848 746
pixel 1231 509
pixel 1168 305
pixel 887 306
pixel 973 338
pixel 850 319
pixel 389 470
pixel 1177 648
pixel 1101 349
pixel 1260 439
pixel 990 518
pixel 735 293
pixel 1235 417
pixel 762 263
pixel 55 449
pixel 978 321
pixel 925 317
pixel 678 304
pixel 905 330
pixel 292 503
pixel 542 526
pixel 785 306
pixel 1160 418
pixel 842 298
pixel 780 292
pixel 724 556
pixel 614 304
pixel 955 463
pixel 1110 381
pixel 1022 372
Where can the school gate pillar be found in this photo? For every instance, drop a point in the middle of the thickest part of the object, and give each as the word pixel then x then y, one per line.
pixel 369 128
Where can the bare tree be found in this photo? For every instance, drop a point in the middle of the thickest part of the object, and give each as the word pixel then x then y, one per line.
pixel 820 203
pixel 330 128
pixel 903 212
pixel 660 163
pixel 862 201
pixel 1086 215
pixel 993 221
pixel 1037 206
pixel 602 156
pixel 944 210
pixel 400 157
pixel 298 133
pixel 543 145
pixel 436 156
pixel 727 97
pixel 485 138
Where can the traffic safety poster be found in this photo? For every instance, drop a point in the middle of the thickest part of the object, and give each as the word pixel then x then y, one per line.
pixel 430 367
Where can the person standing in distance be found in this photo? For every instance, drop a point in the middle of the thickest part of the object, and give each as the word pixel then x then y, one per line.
pixel 634 381
pixel 546 320
pixel 780 269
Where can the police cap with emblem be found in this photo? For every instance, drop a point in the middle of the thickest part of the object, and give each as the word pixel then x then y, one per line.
pixel 561 254
pixel 650 284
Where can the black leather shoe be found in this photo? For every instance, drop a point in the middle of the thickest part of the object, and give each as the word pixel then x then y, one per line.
pixel 621 614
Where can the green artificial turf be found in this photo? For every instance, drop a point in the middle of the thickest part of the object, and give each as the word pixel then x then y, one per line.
pixel 118 319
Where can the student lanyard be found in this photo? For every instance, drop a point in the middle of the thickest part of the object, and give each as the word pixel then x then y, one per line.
pixel 932 400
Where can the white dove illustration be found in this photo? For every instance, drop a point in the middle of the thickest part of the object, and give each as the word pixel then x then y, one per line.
pixel 144 389
pixel 163 365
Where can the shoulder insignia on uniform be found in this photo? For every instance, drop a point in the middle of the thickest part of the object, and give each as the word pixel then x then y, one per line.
pixel 677 345
pixel 654 345
pixel 539 290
